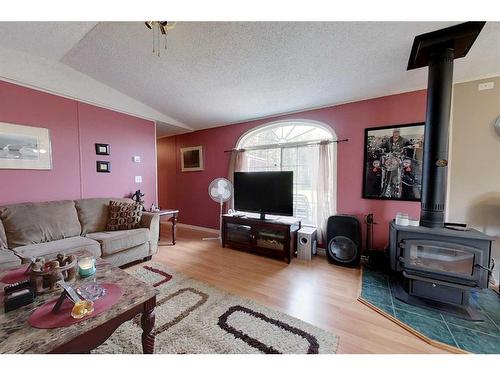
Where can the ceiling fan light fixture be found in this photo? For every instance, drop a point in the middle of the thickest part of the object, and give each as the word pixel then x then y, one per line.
pixel 163 28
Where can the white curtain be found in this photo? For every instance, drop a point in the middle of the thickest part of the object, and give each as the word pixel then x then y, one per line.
pixel 326 188
pixel 237 163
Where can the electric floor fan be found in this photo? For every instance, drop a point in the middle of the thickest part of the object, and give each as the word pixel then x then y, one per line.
pixel 220 190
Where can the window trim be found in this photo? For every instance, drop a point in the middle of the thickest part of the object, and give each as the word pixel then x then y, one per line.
pixel 277 124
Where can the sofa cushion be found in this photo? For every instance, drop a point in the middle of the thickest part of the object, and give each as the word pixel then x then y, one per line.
pixel 31 223
pixel 93 213
pixel 49 250
pixel 116 241
pixel 128 256
pixel 124 215
pixel 8 259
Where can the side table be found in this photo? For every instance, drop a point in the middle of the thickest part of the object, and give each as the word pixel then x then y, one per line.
pixel 170 213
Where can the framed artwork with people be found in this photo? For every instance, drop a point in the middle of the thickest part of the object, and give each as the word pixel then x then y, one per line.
pixel 393 158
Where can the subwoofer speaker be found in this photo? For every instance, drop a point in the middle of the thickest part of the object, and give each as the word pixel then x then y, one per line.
pixel 343 240
pixel 306 243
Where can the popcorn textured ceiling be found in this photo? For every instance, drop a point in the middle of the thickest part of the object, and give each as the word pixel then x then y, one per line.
pixel 217 73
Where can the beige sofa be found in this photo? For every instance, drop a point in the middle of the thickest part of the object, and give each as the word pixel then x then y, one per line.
pixel 45 229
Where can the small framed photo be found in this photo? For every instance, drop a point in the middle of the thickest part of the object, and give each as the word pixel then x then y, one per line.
pixel 103 166
pixel 102 149
pixel 192 159
pixel 393 159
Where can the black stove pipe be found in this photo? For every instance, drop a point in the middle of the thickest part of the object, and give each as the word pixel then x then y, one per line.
pixel 437 50
pixel 435 159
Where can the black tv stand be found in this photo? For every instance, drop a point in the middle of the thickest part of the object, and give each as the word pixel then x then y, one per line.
pixel 262 216
pixel 273 238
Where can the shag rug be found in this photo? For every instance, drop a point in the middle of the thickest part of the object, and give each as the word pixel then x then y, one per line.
pixel 193 317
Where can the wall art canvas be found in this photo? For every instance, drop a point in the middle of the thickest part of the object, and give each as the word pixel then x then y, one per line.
pixel 192 159
pixel 24 147
pixel 393 158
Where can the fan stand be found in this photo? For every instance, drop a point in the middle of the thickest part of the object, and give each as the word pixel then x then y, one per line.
pixel 220 226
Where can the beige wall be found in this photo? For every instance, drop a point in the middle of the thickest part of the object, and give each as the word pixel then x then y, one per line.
pixel 474 172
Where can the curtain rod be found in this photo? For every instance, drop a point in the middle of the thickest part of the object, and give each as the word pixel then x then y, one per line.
pixel 287 145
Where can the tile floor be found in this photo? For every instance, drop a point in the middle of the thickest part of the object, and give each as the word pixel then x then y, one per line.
pixel 475 337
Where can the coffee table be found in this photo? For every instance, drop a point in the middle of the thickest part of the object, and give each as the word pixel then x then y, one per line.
pixel 17 336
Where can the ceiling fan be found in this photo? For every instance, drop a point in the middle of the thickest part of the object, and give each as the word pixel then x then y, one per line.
pixel 159 27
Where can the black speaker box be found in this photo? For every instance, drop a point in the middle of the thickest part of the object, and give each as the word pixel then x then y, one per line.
pixel 343 240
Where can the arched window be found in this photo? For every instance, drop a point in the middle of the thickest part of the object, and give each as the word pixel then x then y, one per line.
pixel 285 132
pixel 305 147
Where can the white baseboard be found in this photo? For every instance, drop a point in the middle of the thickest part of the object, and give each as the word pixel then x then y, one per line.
pixel 195 227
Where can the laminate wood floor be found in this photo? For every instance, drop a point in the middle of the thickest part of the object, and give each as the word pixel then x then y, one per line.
pixel 316 292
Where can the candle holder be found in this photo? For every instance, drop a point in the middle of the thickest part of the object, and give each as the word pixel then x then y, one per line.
pixel 86 266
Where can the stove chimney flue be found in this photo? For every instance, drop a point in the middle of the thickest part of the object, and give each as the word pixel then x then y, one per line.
pixel 437 50
pixel 435 167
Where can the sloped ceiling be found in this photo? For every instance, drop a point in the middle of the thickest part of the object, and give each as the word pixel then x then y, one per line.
pixel 217 73
pixel 51 40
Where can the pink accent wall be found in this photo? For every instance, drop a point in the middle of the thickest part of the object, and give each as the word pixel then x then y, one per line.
pixel 187 191
pixel 74 129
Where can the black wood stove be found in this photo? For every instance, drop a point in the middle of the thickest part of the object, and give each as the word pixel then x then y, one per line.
pixel 437 266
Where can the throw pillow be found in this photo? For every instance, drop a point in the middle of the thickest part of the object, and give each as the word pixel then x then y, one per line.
pixel 123 215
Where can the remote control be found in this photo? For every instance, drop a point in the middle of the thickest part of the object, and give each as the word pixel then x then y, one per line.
pixel 16 286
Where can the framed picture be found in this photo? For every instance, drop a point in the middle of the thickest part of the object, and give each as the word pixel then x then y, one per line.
pixel 101 149
pixel 24 147
pixel 103 166
pixel 393 157
pixel 192 159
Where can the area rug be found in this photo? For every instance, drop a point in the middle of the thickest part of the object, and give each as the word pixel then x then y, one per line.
pixel 440 329
pixel 193 317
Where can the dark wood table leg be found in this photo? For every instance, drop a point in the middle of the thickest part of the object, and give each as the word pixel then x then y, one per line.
pixel 174 223
pixel 147 324
pixel 159 230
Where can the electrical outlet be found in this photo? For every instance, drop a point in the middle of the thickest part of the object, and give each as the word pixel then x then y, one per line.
pixel 138 179
pixel 485 86
pixel 136 159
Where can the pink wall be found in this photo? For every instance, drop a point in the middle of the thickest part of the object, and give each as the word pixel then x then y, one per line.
pixel 74 128
pixel 188 191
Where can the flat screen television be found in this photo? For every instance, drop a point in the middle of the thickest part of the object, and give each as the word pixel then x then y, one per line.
pixel 264 192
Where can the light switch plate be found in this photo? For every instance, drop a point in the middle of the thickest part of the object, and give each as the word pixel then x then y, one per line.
pixel 138 179
pixel 485 86
pixel 136 159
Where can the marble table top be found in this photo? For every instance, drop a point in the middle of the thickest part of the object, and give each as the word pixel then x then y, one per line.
pixel 17 336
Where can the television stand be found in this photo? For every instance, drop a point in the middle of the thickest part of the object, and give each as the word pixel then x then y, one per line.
pixel 272 238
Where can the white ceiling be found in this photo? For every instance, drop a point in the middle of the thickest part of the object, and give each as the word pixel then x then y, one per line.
pixel 51 40
pixel 217 73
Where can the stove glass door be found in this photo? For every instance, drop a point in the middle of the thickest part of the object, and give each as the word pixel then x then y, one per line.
pixel 441 257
